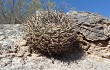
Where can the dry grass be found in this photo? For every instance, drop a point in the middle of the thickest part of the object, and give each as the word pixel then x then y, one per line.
pixel 51 33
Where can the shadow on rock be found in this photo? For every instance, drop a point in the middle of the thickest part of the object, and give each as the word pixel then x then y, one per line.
pixel 76 54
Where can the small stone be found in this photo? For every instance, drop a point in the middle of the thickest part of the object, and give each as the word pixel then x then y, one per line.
pixel 7 44
pixel 20 54
pixel 21 42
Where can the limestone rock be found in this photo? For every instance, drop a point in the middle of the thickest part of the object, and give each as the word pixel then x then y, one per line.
pixel 93 26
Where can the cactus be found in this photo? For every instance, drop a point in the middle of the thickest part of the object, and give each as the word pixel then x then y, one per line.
pixel 52 33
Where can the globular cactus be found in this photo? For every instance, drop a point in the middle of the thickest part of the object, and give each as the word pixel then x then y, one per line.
pixel 52 33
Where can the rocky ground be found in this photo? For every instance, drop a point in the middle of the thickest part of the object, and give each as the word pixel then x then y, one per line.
pixel 12 58
pixel 14 55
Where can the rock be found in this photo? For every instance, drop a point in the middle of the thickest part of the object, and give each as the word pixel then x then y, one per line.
pixel 23 51
pixel 1 33
pixel 37 62
pixel 5 61
pixel 2 37
pixel 21 42
pixel 106 55
pixel 7 43
pixel 20 54
pixel 93 26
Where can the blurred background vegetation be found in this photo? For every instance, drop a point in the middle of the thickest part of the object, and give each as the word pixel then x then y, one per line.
pixel 15 11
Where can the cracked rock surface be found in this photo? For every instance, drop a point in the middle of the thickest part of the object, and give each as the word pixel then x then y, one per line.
pixel 93 26
pixel 14 55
